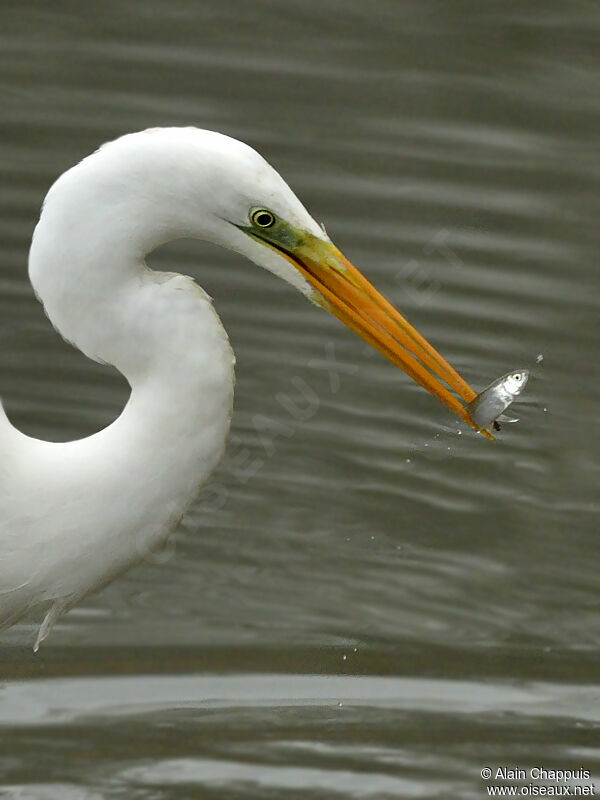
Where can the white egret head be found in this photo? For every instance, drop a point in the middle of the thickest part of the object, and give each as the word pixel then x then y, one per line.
pixel 146 188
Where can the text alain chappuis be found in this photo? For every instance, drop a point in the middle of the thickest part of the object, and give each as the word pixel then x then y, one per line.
pixel 575 782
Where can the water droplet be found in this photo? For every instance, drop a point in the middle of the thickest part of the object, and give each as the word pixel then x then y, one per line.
pixel 539 358
pixel 344 657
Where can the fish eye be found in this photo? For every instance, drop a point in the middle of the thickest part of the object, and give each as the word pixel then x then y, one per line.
pixel 262 217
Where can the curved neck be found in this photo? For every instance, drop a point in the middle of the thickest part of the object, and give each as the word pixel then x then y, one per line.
pixel 87 267
pixel 159 330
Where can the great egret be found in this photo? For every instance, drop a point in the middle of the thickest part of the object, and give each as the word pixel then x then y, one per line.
pixel 75 515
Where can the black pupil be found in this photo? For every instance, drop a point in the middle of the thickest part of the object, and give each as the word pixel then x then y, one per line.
pixel 264 219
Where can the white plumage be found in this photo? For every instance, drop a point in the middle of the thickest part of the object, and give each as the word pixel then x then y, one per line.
pixel 74 515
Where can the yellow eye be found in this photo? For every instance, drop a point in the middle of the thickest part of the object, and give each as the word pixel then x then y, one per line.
pixel 262 218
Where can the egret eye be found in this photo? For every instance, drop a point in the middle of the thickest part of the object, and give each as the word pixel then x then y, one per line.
pixel 262 218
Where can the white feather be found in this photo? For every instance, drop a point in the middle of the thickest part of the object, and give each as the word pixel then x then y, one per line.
pixel 74 515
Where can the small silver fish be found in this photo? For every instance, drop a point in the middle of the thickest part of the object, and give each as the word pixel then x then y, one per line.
pixel 488 407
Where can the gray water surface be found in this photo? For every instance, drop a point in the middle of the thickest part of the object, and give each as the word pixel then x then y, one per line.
pixel 389 602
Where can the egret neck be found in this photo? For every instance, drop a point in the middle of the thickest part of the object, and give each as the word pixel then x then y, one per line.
pixel 73 515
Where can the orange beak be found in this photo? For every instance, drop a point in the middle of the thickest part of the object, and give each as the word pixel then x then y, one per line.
pixel 342 290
